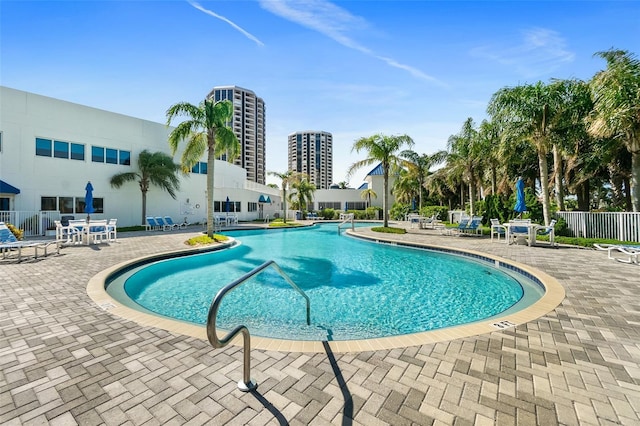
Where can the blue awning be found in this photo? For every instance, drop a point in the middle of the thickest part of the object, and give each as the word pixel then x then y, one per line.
pixel 5 188
pixel 262 199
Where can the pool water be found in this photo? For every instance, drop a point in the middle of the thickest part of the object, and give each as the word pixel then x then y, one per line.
pixel 358 289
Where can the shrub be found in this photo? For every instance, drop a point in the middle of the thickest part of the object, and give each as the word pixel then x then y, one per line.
pixel 203 240
pixel 399 211
pixel 441 212
pixel 18 233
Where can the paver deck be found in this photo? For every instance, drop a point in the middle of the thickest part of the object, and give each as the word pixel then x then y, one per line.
pixel 65 361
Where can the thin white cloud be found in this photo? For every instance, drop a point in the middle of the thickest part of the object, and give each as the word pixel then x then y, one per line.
pixel 222 18
pixel 540 52
pixel 334 22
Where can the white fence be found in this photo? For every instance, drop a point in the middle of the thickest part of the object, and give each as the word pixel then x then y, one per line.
pixel 33 223
pixel 624 226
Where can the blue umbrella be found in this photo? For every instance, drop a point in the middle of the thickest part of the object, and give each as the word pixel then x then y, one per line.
pixel 227 206
pixel 413 204
pixel 88 200
pixel 521 205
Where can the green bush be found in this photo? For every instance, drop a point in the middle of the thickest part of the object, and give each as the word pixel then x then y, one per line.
pixel 441 212
pixel 399 211
pixel 328 214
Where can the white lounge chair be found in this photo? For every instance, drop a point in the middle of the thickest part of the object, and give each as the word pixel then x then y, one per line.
pixel 632 251
pixel 9 242
pixel 174 225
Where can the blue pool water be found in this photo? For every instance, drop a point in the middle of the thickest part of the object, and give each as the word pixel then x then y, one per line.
pixel 358 289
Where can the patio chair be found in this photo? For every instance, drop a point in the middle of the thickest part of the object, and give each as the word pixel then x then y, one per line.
pixel 112 231
pixel 66 234
pixel 174 225
pixel 151 225
pixel 162 224
pixel 546 230
pixel 632 251
pixel 498 229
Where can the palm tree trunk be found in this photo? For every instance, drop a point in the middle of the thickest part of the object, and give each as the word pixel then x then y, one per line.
pixel 557 164
pixel 144 208
pixel 494 180
pixel 211 161
pixel 634 190
pixel 284 203
pixel 385 198
pixel 544 185
pixel 472 195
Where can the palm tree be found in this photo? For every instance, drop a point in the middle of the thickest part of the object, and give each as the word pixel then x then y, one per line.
pixel 287 178
pixel 616 113
pixel 529 112
pixel 366 194
pixel 157 169
pixel 343 185
pixel 465 154
pixel 205 129
pixel 418 167
pixel 304 193
pixel 381 149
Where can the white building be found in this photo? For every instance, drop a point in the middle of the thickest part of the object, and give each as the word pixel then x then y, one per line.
pixel 50 149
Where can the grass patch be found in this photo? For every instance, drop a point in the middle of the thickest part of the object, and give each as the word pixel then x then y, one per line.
pixel 278 224
pixel 389 230
pixel 204 240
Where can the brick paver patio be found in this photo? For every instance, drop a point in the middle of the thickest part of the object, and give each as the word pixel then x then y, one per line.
pixel 64 361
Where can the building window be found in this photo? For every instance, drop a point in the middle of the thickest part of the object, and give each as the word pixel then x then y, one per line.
pixel 61 149
pixel 48 203
pixel 77 151
pixel 195 168
pixel 66 204
pixel 125 158
pixel 252 207
pixel 111 156
pixel 97 154
pixel 203 168
pixel 97 205
pixel 43 147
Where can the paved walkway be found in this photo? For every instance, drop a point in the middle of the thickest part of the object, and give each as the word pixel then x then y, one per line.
pixel 64 361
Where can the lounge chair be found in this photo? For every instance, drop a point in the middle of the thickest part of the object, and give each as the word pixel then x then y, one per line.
pixel 498 230
pixel 151 225
pixel 632 251
pixel 472 228
pixel 464 222
pixel 162 224
pixel 9 242
pixel 546 230
pixel 174 225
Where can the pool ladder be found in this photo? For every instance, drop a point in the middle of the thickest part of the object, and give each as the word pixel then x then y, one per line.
pixel 348 218
pixel 246 384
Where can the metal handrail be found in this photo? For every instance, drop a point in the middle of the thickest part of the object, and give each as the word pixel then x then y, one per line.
pixel 246 384
pixel 349 218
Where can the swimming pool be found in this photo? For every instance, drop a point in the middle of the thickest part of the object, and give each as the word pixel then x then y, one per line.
pixel 358 290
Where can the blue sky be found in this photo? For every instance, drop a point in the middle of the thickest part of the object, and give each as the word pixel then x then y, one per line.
pixel 352 68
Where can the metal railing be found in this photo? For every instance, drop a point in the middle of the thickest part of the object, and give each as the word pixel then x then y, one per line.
pixel 246 384
pixel 623 226
pixel 346 218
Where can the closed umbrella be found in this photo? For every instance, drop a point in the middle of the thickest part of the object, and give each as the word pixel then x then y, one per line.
pixel 521 205
pixel 227 206
pixel 88 201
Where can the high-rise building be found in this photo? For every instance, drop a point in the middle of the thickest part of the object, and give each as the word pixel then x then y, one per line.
pixel 311 152
pixel 249 127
